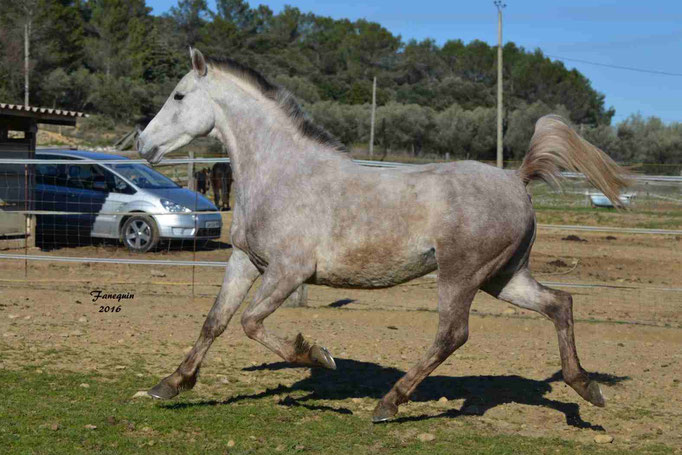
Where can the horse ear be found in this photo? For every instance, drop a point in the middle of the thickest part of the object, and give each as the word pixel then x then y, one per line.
pixel 198 62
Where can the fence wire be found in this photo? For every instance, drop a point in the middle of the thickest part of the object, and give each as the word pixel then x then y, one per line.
pixel 70 200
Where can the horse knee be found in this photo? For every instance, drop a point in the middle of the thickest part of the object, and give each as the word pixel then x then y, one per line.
pixel 451 342
pixel 460 337
pixel 252 327
pixel 212 328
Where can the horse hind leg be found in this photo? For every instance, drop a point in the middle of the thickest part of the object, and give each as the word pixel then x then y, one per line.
pixel 523 291
pixel 216 193
pixel 453 330
pixel 239 278
pixel 226 193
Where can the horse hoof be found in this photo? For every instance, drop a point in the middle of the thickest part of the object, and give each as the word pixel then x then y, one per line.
pixel 163 391
pixel 383 412
pixel 594 395
pixel 321 357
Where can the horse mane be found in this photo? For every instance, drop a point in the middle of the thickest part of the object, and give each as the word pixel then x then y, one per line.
pixel 282 97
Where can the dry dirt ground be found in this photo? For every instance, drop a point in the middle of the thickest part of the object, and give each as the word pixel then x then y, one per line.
pixel 505 379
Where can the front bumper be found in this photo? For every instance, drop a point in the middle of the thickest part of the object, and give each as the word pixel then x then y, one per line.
pixel 199 226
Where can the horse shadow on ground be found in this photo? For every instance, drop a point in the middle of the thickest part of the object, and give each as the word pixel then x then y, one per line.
pixel 355 379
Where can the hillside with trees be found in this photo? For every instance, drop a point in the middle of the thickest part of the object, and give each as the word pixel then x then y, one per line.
pixel 115 59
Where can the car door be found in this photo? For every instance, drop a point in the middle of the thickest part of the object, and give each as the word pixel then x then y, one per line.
pixel 51 194
pixel 118 194
pixel 83 200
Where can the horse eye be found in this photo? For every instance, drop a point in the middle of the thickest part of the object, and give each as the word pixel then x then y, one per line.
pixel 178 96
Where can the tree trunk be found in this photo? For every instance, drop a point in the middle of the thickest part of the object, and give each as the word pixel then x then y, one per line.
pixel 298 299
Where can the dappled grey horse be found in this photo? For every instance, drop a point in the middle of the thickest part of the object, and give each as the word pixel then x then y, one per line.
pixel 305 213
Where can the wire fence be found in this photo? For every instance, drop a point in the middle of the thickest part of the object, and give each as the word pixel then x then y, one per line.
pixel 78 211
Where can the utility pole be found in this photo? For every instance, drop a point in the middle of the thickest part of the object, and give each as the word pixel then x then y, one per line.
pixel 374 108
pixel 500 6
pixel 27 34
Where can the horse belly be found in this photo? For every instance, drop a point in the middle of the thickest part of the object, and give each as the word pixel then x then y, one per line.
pixel 370 268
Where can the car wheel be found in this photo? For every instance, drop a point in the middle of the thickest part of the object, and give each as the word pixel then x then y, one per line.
pixel 140 234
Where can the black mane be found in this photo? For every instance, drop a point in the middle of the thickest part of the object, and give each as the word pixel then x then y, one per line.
pixel 282 97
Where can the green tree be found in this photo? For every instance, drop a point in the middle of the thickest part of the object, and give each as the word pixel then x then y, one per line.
pixel 190 16
pixel 116 44
pixel 466 134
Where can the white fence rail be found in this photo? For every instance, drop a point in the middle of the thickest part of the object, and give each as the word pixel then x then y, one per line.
pixel 178 161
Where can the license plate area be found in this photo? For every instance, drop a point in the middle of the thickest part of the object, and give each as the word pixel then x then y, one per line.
pixel 212 224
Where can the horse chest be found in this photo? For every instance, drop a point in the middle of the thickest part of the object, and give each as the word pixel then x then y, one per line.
pixel 251 236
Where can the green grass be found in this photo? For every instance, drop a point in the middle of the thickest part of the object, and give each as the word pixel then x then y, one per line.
pixel 32 404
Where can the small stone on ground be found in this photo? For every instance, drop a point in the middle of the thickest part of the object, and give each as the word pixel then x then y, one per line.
pixel 603 439
pixel 425 437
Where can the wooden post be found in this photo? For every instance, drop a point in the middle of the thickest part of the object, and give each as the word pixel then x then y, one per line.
pixel 374 108
pixel 190 172
pixel 298 299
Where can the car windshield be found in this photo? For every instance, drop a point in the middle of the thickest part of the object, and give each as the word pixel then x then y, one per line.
pixel 143 176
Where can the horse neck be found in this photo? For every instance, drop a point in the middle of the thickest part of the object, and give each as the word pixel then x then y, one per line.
pixel 263 143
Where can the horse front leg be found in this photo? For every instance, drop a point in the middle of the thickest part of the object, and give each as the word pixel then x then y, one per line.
pixel 239 277
pixel 278 283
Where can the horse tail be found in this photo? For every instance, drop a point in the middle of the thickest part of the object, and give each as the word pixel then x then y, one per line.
pixel 555 146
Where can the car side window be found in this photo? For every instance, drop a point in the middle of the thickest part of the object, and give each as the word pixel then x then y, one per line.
pixel 52 174
pixel 46 174
pixel 116 184
pixel 83 176
pixel 79 176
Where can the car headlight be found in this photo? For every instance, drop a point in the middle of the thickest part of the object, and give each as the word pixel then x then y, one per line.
pixel 173 207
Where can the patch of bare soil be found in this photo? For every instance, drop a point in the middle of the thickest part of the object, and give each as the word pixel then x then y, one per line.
pixel 53 137
pixel 573 238
pixel 505 379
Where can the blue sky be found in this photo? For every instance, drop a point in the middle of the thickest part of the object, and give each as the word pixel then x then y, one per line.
pixel 645 35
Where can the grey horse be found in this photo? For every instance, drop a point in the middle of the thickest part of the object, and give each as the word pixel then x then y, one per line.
pixel 305 213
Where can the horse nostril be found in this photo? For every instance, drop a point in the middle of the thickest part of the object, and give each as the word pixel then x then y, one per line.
pixel 151 155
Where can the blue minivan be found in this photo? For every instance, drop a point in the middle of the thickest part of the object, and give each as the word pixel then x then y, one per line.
pixel 127 201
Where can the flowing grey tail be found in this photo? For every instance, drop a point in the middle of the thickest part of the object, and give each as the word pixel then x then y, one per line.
pixel 555 146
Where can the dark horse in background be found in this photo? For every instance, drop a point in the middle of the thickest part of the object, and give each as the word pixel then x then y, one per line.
pixel 221 181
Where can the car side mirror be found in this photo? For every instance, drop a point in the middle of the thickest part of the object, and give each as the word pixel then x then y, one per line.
pixel 99 184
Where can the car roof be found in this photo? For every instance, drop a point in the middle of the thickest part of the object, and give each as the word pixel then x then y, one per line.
pixel 82 154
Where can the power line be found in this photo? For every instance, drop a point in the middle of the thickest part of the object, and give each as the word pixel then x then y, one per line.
pixel 606 65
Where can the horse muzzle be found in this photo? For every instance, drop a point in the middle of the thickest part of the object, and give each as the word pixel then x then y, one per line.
pixel 150 154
